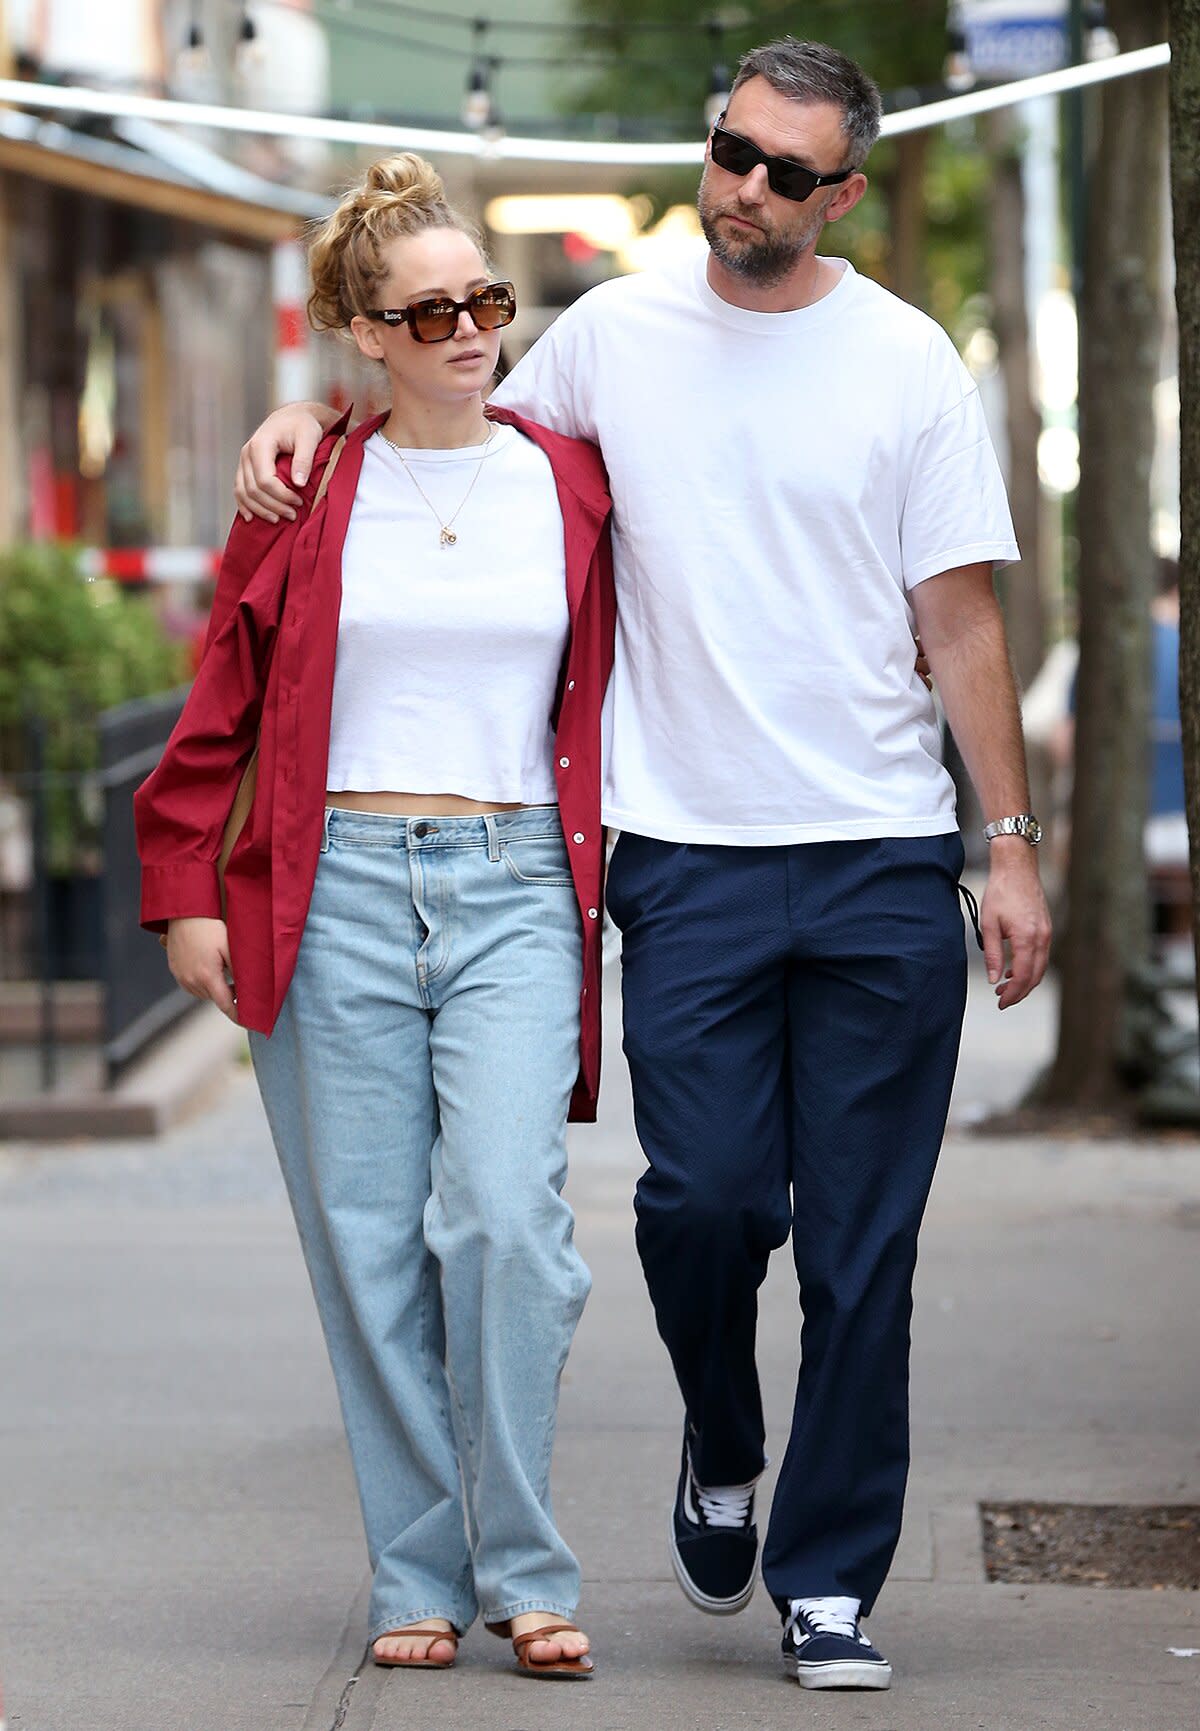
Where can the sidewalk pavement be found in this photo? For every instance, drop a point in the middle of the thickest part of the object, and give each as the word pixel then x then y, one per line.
pixel 179 1525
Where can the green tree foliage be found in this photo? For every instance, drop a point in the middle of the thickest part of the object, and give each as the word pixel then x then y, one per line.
pixel 657 54
pixel 955 182
pixel 69 649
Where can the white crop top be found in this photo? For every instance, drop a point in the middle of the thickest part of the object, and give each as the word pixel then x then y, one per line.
pixel 448 657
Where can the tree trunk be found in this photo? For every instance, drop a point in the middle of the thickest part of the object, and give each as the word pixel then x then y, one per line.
pixel 1121 343
pixel 1020 585
pixel 1185 192
pixel 905 189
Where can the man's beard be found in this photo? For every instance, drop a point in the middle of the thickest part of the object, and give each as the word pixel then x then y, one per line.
pixel 763 259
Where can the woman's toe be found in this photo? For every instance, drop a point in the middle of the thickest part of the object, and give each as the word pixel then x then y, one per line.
pixel 565 1645
pixel 431 1644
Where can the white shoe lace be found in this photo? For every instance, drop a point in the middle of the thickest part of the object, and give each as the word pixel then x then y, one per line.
pixel 725 1505
pixel 826 1616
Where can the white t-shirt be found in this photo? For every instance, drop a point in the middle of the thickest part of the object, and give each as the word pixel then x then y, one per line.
pixel 448 658
pixel 781 483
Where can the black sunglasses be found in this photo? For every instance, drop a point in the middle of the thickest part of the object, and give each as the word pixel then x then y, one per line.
pixel 435 320
pixel 736 155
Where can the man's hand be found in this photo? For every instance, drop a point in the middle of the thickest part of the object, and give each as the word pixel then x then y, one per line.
pixel 198 956
pixel 1015 921
pixel 922 664
pixel 297 428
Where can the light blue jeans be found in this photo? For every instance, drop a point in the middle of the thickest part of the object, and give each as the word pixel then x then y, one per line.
pixel 417 1084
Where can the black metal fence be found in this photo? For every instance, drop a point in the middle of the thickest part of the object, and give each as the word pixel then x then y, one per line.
pixel 82 924
pixel 140 997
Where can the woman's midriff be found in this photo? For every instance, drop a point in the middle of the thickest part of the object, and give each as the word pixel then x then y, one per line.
pixel 417 804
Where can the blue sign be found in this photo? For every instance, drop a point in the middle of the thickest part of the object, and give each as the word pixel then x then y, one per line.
pixel 1014 38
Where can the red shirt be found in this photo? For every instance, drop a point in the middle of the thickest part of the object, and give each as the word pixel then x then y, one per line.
pixel 267 675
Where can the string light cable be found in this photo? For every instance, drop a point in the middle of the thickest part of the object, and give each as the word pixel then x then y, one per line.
pixel 78 99
pixel 479 110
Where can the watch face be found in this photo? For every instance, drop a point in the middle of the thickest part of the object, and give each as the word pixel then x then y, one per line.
pixel 1033 831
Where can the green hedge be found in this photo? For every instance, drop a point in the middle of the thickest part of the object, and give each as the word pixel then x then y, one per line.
pixel 70 648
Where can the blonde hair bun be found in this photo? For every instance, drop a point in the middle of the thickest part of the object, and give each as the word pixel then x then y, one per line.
pixel 399 195
pixel 405 176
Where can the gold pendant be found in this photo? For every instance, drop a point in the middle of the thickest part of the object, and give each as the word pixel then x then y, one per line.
pixel 448 538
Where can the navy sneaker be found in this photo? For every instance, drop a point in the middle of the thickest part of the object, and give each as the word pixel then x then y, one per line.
pixel 824 1647
pixel 714 1542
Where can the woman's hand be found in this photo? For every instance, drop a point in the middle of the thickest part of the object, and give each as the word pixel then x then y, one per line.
pixel 297 428
pixel 198 956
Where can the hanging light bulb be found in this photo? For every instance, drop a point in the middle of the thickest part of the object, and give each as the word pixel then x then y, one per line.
pixel 717 99
pixel 495 131
pixel 957 72
pixel 1099 42
pixel 249 50
pixel 193 56
pixel 477 99
pixel 478 110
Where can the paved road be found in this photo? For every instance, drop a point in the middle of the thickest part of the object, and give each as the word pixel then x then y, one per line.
pixel 179 1529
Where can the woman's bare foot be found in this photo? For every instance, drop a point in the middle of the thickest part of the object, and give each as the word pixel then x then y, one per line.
pixel 431 1645
pixel 566 1644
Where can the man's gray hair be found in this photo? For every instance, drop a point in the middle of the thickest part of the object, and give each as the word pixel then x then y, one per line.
pixel 814 72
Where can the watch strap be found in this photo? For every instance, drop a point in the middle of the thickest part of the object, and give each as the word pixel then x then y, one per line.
pixel 1023 824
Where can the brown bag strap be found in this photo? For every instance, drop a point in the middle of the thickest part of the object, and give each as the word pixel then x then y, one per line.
pixel 330 466
pixel 239 811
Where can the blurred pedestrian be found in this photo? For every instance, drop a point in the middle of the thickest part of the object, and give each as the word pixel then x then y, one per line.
pixel 414 943
pixel 1048 711
pixel 1166 824
pixel 801 474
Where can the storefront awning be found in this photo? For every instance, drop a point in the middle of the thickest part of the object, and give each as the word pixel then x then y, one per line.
pixel 234 202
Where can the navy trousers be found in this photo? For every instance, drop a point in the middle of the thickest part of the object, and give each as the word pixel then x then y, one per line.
pixel 792 1019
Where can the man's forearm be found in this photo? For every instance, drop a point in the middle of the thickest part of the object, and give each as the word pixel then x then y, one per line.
pixel 974 678
pixel 962 632
pixel 319 411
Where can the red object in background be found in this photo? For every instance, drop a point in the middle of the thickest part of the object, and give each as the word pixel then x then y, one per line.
pixel 66 505
pixel 291 331
pixel 126 564
pixel 578 249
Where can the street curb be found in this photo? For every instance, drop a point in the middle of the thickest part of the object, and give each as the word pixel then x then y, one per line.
pixel 177 1075
pixel 958 1545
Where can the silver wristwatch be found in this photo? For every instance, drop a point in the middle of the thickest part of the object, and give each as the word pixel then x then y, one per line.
pixel 1024 825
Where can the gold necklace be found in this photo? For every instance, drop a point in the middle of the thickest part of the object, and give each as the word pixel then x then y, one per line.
pixel 447 538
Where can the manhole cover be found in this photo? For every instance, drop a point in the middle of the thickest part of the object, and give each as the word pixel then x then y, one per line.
pixel 1093 1545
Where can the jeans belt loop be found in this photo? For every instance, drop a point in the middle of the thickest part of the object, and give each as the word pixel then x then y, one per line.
pixel 489 823
pixel 325 830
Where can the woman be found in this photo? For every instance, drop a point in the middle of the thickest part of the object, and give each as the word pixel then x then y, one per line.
pixel 412 941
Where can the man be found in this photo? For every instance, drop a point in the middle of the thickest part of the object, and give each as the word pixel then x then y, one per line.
pixel 801 474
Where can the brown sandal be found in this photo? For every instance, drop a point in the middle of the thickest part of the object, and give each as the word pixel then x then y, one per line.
pixel 425 1664
pixel 580 1667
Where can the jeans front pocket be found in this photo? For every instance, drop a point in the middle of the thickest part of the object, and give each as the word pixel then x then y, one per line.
pixel 538 859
